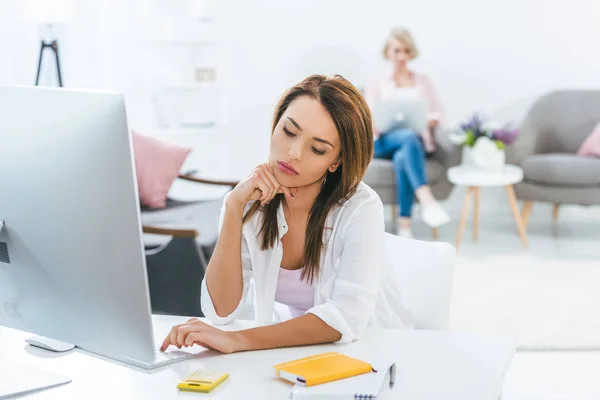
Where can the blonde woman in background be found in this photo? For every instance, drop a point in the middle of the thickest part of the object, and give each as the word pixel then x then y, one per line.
pixel 406 148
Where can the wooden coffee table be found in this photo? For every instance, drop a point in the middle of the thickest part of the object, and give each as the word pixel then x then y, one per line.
pixel 475 179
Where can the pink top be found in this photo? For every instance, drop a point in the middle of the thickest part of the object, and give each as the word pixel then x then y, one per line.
pixel 383 87
pixel 295 293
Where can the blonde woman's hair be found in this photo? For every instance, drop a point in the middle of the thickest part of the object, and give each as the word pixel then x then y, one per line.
pixel 402 35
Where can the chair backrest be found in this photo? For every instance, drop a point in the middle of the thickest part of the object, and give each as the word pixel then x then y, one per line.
pixel 564 118
pixel 425 273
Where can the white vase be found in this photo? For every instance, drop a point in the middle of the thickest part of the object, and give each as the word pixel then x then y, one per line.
pixel 467 156
pixel 487 156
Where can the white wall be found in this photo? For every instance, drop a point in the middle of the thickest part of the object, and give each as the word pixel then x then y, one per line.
pixel 482 54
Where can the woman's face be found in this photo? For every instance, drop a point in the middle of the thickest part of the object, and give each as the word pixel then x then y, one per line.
pixel 398 53
pixel 305 144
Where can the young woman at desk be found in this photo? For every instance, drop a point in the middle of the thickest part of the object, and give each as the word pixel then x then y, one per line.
pixel 306 230
pixel 408 149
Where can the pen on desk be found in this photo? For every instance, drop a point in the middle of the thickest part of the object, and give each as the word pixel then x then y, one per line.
pixel 392 374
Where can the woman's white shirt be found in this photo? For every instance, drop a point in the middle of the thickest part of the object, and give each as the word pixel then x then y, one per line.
pixel 356 287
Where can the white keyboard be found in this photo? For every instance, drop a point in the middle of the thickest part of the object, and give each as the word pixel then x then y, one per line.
pixel 162 356
pixel 161 359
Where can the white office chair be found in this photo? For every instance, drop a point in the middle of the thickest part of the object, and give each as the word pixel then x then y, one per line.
pixel 425 271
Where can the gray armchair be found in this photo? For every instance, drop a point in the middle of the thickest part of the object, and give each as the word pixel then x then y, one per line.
pixel 179 240
pixel 381 178
pixel 551 134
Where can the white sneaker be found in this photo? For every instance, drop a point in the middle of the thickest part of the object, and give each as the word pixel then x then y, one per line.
pixel 434 215
pixel 405 233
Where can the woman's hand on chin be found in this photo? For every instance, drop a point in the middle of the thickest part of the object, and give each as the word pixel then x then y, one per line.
pixel 260 185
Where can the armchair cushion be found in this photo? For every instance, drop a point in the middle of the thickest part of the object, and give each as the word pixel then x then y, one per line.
pixel 561 169
pixel 157 164
pixel 591 145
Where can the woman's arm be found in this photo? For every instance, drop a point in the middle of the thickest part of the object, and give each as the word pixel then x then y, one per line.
pixel 305 330
pixel 436 110
pixel 356 284
pixel 229 270
pixel 224 277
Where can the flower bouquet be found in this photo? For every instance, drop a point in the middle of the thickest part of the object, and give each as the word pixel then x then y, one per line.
pixel 483 142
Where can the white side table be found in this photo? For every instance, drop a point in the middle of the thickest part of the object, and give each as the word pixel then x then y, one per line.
pixel 474 179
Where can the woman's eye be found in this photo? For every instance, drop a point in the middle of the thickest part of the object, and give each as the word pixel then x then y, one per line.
pixel 318 152
pixel 290 134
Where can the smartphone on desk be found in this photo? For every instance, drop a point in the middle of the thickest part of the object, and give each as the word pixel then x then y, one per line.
pixel 202 381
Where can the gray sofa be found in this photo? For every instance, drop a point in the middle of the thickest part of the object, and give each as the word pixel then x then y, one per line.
pixel 551 134
pixel 381 178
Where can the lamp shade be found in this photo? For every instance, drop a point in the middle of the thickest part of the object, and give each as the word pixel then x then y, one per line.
pixel 49 11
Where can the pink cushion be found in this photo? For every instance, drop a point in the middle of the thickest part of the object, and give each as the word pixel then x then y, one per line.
pixel 157 164
pixel 591 145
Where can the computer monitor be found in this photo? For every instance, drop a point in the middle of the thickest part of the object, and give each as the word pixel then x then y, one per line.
pixel 72 264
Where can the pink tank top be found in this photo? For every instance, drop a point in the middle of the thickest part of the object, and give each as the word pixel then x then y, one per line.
pixel 295 293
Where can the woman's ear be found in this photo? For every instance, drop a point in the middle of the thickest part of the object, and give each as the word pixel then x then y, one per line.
pixel 333 167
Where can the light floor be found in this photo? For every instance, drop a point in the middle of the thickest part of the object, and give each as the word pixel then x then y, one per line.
pixel 547 375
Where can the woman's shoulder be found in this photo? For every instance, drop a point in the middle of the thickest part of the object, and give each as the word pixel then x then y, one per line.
pixel 359 214
pixel 364 199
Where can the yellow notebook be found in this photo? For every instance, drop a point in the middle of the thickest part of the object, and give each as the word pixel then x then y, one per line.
pixel 321 368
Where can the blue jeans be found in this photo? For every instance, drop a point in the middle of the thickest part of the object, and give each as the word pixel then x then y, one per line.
pixel 405 148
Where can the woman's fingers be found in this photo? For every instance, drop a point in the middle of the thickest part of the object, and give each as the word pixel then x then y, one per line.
pixel 264 180
pixel 260 184
pixel 289 193
pixel 196 337
pixel 183 332
pixel 171 338
pixel 256 194
pixel 269 174
pixel 179 333
pixel 270 184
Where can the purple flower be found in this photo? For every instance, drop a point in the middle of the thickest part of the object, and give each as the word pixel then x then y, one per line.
pixel 506 135
pixel 472 124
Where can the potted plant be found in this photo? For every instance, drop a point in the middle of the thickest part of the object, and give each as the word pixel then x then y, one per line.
pixel 483 143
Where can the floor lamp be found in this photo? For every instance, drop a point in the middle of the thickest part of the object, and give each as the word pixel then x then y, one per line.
pixel 54 47
pixel 46 12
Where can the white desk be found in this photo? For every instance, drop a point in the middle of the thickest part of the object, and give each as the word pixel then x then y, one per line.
pixel 430 365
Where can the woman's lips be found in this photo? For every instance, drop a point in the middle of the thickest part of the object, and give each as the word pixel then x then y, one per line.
pixel 287 168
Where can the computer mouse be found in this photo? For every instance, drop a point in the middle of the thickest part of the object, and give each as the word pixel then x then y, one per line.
pixel 49 344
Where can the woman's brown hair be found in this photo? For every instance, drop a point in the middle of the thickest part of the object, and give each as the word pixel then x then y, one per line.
pixel 352 119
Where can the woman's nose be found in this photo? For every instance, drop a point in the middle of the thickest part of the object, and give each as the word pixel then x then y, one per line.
pixel 295 152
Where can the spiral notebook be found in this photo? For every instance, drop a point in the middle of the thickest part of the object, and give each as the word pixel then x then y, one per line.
pixel 362 387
